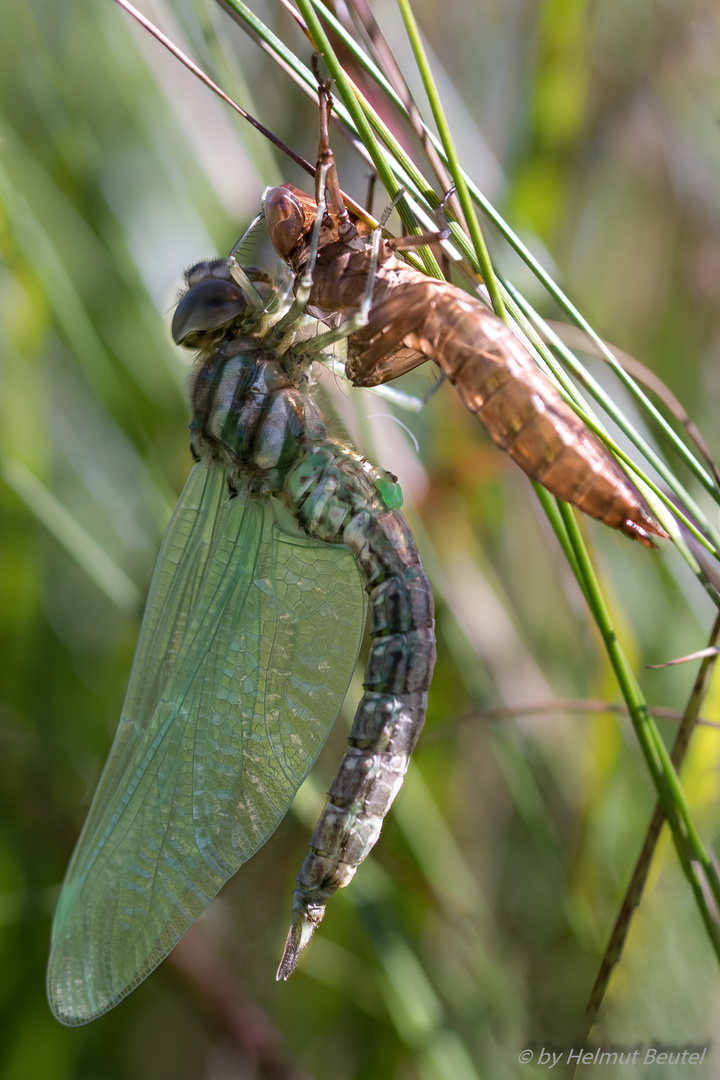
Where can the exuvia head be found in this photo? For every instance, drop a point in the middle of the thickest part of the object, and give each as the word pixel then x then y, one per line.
pixel 287 219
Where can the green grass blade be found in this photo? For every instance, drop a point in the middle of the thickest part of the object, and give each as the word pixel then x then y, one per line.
pixel 78 543
pixel 481 251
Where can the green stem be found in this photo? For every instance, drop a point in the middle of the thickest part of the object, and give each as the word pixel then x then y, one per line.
pixel 665 778
pixel 461 187
pixel 635 889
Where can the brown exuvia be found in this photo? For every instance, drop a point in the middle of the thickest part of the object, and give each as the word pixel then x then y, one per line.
pixel 414 318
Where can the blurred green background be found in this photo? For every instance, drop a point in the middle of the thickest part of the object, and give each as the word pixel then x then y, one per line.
pixel 477 927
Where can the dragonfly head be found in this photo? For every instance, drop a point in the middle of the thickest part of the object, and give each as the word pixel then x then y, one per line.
pixel 211 306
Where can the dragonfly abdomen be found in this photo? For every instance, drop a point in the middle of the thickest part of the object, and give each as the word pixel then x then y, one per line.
pixel 344 494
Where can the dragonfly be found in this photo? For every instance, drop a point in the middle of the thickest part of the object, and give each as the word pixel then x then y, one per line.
pixel 254 620
pixel 399 318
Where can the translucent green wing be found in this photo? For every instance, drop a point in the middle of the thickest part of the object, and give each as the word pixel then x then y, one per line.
pixel 247 647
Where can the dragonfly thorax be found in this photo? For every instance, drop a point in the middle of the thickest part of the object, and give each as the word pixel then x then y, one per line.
pixel 249 414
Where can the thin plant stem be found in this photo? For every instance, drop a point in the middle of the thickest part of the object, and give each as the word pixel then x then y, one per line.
pixel 690 848
pixel 463 194
pixel 635 889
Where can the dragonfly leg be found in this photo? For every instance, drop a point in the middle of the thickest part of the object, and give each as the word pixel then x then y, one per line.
pixel 361 316
pixel 237 272
pixel 328 195
pixel 408 402
pixel 330 187
pixel 404 243
pixel 303 284
pixel 433 389
pixel 441 207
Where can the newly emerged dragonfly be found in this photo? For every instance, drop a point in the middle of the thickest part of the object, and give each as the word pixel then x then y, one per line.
pixel 251 632
pixel 413 318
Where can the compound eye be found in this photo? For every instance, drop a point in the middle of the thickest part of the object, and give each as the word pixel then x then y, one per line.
pixel 210 305
pixel 285 220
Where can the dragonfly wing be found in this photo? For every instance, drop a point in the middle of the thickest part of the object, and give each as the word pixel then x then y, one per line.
pixel 247 647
